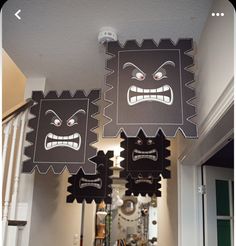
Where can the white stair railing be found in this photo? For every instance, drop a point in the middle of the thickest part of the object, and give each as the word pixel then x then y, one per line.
pixel 18 167
pixel 6 131
pixel 14 131
pixel 6 203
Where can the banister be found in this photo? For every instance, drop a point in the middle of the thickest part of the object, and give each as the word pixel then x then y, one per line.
pixel 17 110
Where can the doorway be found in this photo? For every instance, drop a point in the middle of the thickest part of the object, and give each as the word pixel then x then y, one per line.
pixel 218 201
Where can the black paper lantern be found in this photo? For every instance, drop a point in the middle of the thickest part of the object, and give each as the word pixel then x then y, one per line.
pixel 150 88
pixel 143 186
pixel 93 187
pixel 62 132
pixel 145 156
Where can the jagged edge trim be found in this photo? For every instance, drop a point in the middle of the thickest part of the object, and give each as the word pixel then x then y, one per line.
pixel 185 68
pixel 109 172
pixel 94 102
pixel 33 129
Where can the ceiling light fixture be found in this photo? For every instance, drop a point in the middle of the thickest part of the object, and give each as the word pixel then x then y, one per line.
pixel 107 34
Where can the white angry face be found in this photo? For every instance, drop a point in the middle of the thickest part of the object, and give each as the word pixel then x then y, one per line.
pixel 72 141
pixel 137 94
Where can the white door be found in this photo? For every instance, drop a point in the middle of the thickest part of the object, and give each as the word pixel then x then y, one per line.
pixel 218 206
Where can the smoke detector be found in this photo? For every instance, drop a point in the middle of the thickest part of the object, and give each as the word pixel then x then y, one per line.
pixel 107 34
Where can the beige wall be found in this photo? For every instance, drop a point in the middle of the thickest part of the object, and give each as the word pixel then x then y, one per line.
pixel 54 222
pixel 168 204
pixel 13 83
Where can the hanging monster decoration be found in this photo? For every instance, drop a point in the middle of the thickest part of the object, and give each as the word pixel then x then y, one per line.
pixel 150 88
pixel 93 187
pixel 144 156
pixel 62 132
pixel 144 186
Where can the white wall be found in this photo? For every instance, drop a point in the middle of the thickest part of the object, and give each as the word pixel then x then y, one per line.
pixel 215 117
pixel 215 58
pixel 54 222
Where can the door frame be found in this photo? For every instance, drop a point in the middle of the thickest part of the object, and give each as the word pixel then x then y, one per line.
pixel 212 173
pixel 214 133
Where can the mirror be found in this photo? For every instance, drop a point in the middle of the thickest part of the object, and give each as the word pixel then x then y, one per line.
pixel 129 205
pixel 135 222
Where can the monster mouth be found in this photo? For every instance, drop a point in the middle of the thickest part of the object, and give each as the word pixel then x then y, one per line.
pixel 143 180
pixel 96 183
pixel 162 94
pixel 52 141
pixel 138 154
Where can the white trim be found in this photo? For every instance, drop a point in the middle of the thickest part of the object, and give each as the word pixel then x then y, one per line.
pixel 210 175
pixel 231 213
pixel 214 133
pixel 224 102
pixel 189 206
pixel 214 119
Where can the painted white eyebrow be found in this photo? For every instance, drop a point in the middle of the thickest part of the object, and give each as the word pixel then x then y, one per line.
pixel 166 63
pixel 128 64
pixel 51 111
pixel 78 111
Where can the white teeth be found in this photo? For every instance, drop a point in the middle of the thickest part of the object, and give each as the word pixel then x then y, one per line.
pixel 166 99
pixel 151 154
pixel 52 136
pixel 166 87
pixel 97 183
pixel 139 98
pixel 49 143
pixel 133 99
pixel 147 95
pixel 70 144
pixel 137 181
pixel 159 89
pixel 84 185
pixel 133 88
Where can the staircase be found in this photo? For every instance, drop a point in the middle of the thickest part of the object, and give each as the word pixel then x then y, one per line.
pixel 13 135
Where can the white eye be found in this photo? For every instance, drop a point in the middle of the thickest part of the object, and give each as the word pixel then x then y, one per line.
pixel 149 142
pixel 158 75
pixel 71 122
pixel 161 74
pixel 139 142
pixel 56 122
pixel 139 76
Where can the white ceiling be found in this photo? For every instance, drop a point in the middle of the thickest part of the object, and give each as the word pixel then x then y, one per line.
pixel 57 39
